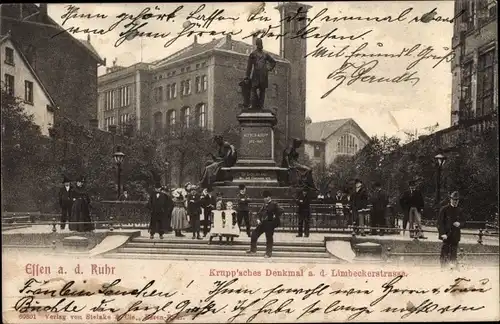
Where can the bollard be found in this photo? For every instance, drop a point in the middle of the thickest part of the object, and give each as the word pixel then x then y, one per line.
pixel 480 240
pixel 111 223
pixel 388 258
pixel 54 225
pixel 462 256
pixel 53 245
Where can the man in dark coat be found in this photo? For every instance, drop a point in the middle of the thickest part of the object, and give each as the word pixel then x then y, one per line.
pixel 304 211
pixel 65 201
pixel 207 204
pixel 412 203
pixel 194 211
pixel 360 207
pixel 242 209
pixel 450 222
pixel 159 205
pixel 257 73
pixel 268 218
pixel 379 203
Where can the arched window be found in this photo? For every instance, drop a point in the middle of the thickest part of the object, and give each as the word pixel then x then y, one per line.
pixel 186 116
pixel 157 123
pixel 201 115
pixel 171 117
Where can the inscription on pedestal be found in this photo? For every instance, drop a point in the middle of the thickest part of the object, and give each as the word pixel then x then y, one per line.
pixel 256 143
pixel 254 176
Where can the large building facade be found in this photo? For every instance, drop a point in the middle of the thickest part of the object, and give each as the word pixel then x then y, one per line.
pixel 198 86
pixel 67 66
pixel 475 65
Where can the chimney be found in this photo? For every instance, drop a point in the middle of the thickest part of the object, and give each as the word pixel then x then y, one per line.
pixel 195 41
pixel 228 38
pixel 43 9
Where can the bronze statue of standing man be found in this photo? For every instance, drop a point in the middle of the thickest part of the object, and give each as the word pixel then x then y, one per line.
pixel 257 75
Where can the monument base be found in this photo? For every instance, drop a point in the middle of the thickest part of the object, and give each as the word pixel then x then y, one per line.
pixel 256 166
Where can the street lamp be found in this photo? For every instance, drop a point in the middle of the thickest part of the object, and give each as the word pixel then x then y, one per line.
pixel 440 161
pixel 118 156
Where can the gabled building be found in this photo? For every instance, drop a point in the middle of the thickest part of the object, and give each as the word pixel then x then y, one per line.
pixel 21 81
pixel 66 66
pixel 328 139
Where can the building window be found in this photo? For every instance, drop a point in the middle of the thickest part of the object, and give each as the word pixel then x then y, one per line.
pixel 470 15
pixel 188 87
pixel 317 151
pixel 274 92
pixel 9 84
pixel 158 94
pixel 124 99
pixel 466 109
pixel 204 83
pixel 485 83
pixel 183 85
pixel 347 144
pixel 108 100
pixel 198 84
pixel 185 116
pixel 28 92
pixel 157 124
pixel 201 115
pixel 171 117
pixel 9 56
pixel 168 92
pixel 486 11
pixel 173 90
pixel 124 119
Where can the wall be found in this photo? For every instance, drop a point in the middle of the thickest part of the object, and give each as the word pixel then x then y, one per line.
pixel 42 116
pixel 309 151
pixel 191 100
pixel 66 69
pixel 127 80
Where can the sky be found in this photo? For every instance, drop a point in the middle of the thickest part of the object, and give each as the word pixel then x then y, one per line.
pixel 378 107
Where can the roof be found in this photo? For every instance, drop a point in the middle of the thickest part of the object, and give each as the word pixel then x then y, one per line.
pixel 320 131
pixel 92 50
pixel 223 43
pixel 89 49
pixel 5 38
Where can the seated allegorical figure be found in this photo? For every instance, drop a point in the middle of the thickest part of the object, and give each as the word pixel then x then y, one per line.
pixel 290 161
pixel 226 157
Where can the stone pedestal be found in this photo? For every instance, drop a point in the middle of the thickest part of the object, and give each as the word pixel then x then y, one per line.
pixel 76 243
pixel 256 166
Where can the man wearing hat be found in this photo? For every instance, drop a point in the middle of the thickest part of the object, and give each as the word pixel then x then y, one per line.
pixel 360 205
pixel 304 211
pixel 243 209
pixel 208 204
pixel 268 218
pixel 450 221
pixel 194 210
pixel 379 202
pixel 160 207
pixel 412 203
pixel 65 201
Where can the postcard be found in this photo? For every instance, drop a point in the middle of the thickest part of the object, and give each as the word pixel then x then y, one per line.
pixel 264 162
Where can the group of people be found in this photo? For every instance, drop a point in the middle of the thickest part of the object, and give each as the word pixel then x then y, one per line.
pixel 74 202
pixel 184 208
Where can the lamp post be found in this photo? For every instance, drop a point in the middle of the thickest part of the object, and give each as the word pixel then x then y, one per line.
pixel 118 156
pixel 440 160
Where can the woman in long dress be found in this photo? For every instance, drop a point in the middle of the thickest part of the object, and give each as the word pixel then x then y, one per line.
pixel 179 214
pixel 80 220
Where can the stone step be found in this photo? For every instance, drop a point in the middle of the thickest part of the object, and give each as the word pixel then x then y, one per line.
pixel 240 252
pixel 262 242
pixel 216 246
pixel 259 257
